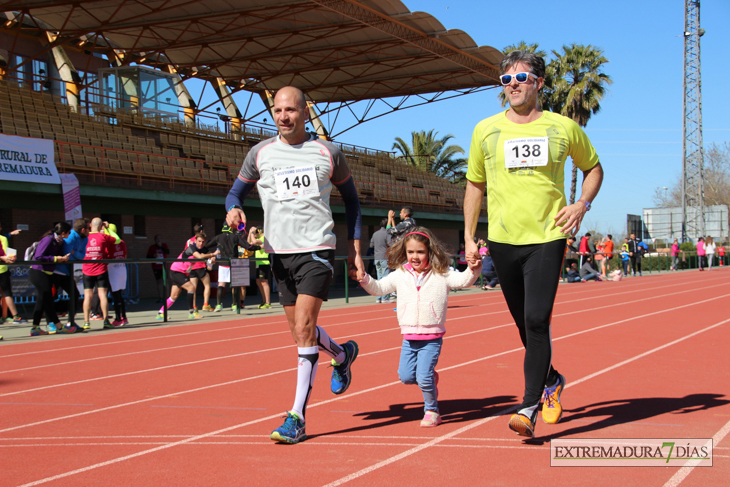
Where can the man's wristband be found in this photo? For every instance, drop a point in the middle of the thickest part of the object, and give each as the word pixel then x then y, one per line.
pixel 234 206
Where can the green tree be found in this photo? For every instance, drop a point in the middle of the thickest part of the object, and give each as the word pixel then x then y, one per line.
pixel 577 88
pixel 429 153
pixel 716 178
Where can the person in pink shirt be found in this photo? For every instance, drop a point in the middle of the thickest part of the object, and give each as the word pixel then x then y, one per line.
pixel 118 279
pixel 701 255
pixel 422 280
pixel 199 272
pixel 98 247
pixel 180 274
pixel 675 255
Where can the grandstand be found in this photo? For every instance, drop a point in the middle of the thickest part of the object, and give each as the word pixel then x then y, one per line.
pixel 144 151
pixel 152 173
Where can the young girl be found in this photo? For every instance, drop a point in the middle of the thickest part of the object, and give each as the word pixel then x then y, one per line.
pixel 422 280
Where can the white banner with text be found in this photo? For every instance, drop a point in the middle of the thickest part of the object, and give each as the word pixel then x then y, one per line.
pixel 27 159
pixel 71 197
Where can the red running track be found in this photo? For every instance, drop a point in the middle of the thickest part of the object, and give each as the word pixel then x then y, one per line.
pixel 194 404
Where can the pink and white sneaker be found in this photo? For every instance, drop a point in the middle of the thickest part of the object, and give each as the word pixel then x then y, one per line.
pixel 431 419
pixel 117 323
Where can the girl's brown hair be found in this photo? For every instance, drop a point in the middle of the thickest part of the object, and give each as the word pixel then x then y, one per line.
pixel 708 240
pixel 438 259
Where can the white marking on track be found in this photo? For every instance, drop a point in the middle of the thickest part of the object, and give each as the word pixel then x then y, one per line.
pixel 53 386
pixel 288 370
pixel 384 463
pixel 435 441
pixel 683 472
pixel 325 314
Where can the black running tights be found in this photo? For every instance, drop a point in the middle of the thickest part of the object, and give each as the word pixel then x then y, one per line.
pixel 529 276
pixel 44 299
pixel 120 310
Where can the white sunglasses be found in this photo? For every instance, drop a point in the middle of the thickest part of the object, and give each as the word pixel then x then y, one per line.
pixel 506 79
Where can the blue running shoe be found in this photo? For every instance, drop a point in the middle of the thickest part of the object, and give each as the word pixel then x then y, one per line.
pixel 71 328
pixel 37 331
pixel 51 328
pixel 341 375
pixel 292 431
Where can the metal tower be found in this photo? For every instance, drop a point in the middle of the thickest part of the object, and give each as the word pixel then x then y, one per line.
pixel 693 188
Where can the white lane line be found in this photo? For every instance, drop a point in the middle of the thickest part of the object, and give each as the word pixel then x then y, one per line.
pixel 198 344
pixel 337 437
pixel 683 472
pixel 287 332
pixel 324 314
pixel 365 354
pixel 164 367
pixel 270 443
pixel 435 441
pixel 362 472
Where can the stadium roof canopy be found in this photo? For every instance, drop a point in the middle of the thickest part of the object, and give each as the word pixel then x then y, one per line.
pixel 334 50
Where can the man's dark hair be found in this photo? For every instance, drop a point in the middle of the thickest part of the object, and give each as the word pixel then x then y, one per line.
pixel 535 62
pixel 610 237
pixel 408 210
pixel 383 223
pixel 588 234
pixel 80 224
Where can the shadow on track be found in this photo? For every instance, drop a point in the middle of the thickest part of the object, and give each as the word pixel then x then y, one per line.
pixel 452 411
pixel 624 411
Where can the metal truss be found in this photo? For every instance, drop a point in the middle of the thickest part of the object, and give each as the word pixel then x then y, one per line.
pixel 693 191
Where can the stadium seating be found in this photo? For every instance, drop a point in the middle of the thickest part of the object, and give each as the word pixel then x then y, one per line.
pixel 116 146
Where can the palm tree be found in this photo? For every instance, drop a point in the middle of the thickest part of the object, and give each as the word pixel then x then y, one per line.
pixel 429 153
pixel 577 88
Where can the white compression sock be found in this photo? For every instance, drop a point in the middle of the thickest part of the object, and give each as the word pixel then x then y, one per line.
pixel 329 346
pixel 530 411
pixel 306 372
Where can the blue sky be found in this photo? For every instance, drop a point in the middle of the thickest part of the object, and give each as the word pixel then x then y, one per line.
pixel 638 132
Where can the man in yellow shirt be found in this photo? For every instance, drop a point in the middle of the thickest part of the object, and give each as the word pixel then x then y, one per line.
pixel 519 156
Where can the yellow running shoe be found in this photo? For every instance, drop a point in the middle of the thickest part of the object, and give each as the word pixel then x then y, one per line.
pixel 552 410
pixel 207 308
pixel 522 425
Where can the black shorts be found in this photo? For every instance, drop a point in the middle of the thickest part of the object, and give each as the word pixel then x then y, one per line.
pixel 263 272
pixel 199 273
pixel 5 284
pixel 158 274
pixel 310 273
pixel 179 278
pixel 102 281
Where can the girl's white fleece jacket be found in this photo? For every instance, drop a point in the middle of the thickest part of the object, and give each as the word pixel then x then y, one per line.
pixel 420 311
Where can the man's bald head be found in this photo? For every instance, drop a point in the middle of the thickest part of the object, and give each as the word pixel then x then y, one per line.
pixel 294 93
pixel 291 115
pixel 96 224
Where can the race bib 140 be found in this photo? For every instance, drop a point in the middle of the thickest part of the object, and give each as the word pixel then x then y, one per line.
pixel 296 182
